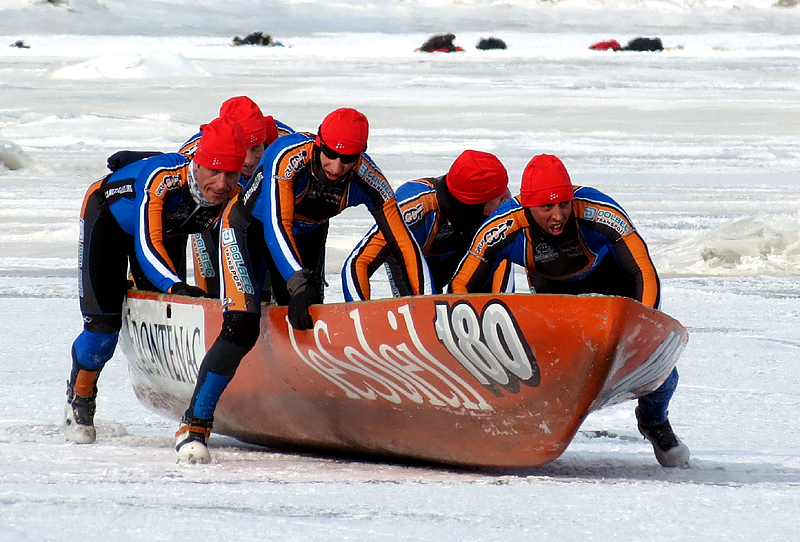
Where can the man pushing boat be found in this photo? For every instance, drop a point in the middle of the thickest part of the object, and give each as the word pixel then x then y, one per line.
pixel 259 132
pixel 278 224
pixel 141 214
pixel 443 213
pixel 575 240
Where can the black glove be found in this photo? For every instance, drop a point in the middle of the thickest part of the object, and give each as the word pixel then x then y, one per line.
pixel 305 287
pixel 181 288
pixel 120 159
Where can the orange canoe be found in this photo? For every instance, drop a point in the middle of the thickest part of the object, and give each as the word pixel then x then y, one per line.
pixel 480 380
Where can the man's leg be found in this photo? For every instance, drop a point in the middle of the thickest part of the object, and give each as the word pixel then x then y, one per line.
pixel 103 282
pixel 241 257
pixel 238 336
pixel 651 415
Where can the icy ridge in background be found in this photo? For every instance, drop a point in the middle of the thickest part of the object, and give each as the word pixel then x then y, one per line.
pixel 300 17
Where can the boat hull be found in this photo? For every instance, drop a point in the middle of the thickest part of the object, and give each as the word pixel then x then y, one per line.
pixel 479 380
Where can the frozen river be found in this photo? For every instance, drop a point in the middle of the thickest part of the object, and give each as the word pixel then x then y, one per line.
pixel 699 143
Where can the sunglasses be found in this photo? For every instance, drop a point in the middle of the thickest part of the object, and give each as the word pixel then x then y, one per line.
pixel 331 154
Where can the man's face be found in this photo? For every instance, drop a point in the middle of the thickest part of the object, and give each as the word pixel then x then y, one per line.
pixel 335 165
pixel 252 159
pixel 553 217
pixel 216 185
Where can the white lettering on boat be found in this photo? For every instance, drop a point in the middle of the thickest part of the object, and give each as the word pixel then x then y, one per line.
pixel 490 346
pixel 394 373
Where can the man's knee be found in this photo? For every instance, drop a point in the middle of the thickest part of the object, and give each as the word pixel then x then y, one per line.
pixel 240 328
pixel 102 323
pixel 92 350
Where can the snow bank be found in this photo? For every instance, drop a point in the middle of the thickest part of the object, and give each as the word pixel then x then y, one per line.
pixel 131 66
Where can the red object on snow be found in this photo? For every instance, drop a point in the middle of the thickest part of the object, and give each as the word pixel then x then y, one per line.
pixel 605 45
pixel 443 50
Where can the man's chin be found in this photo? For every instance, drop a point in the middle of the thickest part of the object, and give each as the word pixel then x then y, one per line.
pixel 332 181
pixel 217 200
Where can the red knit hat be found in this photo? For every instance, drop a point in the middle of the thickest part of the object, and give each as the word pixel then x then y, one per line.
pixel 545 181
pixel 245 111
pixel 345 131
pixel 271 129
pixel 477 177
pixel 221 145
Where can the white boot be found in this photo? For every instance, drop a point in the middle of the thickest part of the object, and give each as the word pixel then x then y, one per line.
pixel 191 441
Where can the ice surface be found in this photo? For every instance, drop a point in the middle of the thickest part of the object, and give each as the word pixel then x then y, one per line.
pixel 699 144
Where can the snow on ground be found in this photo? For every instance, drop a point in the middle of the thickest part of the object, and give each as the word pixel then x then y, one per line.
pixel 698 143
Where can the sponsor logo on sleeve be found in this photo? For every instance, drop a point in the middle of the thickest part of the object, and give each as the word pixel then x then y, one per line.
pixel 118 191
pixel 296 163
pixel 493 236
pixel 202 257
pixel 608 218
pixel 375 181
pixel 254 185
pixel 412 215
pixel 168 182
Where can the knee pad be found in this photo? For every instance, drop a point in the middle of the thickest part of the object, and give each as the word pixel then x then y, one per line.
pixel 240 328
pixel 93 350
pixel 102 323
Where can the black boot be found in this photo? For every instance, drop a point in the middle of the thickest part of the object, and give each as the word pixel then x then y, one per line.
pixel 669 450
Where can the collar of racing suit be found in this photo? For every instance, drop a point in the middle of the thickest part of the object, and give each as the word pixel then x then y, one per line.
pixel 463 216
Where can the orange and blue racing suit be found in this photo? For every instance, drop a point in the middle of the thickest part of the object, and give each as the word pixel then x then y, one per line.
pixel 443 242
pixel 599 251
